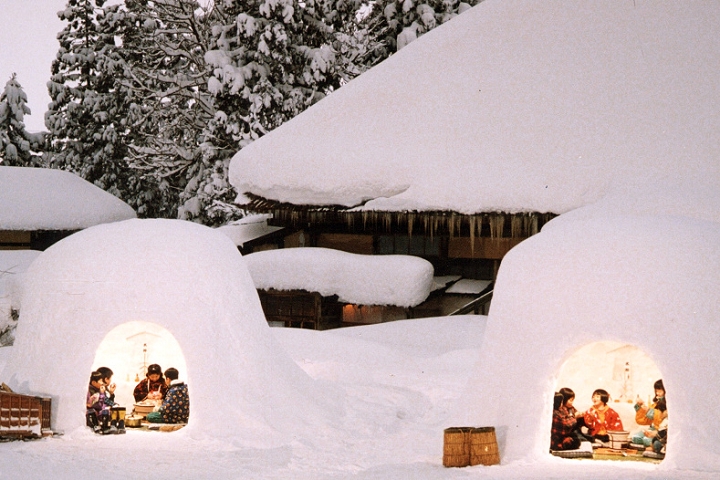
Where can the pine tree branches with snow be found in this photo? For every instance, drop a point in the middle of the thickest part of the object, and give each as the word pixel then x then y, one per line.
pixel 87 118
pixel 165 48
pixel 398 22
pixel 18 147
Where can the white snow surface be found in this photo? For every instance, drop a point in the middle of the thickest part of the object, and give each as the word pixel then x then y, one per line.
pixel 49 199
pixel 511 106
pixel 399 280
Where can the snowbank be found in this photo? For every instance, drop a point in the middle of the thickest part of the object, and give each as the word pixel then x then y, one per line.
pixel 646 280
pixel 399 280
pixel 512 106
pixel 13 264
pixel 188 279
pixel 48 199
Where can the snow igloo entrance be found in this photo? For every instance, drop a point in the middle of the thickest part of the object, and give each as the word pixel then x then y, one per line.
pixel 627 375
pixel 129 349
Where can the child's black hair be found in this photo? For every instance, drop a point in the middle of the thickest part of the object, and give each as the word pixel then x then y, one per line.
pixel 567 394
pixel 659 386
pixel 558 401
pixel 172 373
pixel 105 372
pixel 96 376
pixel 604 395
pixel 661 405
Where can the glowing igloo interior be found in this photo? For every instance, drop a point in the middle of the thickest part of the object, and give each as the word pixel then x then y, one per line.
pixel 129 348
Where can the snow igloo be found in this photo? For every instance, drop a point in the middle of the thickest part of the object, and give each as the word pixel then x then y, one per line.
pixel 145 277
pixel 646 281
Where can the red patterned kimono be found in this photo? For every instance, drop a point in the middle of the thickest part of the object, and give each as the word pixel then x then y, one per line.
pixel 603 420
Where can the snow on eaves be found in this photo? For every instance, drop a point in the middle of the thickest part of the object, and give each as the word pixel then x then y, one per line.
pixel 399 280
pixel 48 199
pixel 512 106
pixel 248 228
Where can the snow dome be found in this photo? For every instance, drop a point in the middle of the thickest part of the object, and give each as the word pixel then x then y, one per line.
pixel 649 281
pixel 185 278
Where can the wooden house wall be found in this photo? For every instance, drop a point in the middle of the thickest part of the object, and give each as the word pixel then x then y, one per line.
pixel 483 247
pixel 14 240
pixel 300 309
pixel 31 240
pixel 352 243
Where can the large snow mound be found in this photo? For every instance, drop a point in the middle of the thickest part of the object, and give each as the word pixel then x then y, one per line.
pixel 511 106
pixel 649 281
pixel 186 278
pixel 48 199
pixel 400 280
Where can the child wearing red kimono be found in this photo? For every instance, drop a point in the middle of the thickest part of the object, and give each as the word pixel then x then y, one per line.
pixel 601 419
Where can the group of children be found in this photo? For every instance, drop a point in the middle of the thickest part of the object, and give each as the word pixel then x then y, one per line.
pixel 169 394
pixel 570 427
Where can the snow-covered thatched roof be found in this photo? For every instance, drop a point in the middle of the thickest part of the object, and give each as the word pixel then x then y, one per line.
pixel 48 199
pixel 512 106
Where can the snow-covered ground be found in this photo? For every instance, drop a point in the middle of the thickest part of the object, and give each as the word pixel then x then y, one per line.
pixel 399 381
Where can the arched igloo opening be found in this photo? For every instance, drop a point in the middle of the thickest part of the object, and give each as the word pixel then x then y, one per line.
pixel 627 373
pixel 129 348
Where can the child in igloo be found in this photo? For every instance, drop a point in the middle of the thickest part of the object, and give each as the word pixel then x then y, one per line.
pixel 176 404
pixel 153 387
pixel 655 416
pixel 563 435
pixel 600 418
pixel 650 415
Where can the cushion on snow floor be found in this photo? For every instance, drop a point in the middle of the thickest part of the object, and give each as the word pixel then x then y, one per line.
pixel 585 451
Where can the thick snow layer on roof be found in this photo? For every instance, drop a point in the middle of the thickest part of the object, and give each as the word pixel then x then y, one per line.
pixel 48 199
pixel 400 280
pixel 248 228
pixel 511 106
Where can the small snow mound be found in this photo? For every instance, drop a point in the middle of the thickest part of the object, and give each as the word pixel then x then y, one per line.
pixel 399 280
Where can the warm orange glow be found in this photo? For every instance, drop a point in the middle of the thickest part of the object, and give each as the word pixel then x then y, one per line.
pixel 129 348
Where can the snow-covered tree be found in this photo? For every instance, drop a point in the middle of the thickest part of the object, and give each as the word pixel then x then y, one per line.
pixel 272 59
pixel 398 22
pixel 87 117
pixel 164 44
pixel 18 147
